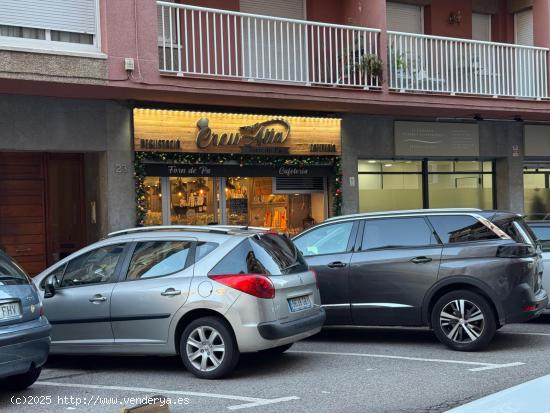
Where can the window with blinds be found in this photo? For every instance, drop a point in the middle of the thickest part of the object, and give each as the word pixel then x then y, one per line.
pixel 406 18
pixel 70 25
pixel 523 25
pixel 481 27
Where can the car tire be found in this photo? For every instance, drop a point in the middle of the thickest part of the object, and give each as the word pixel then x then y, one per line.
pixel 463 320
pixel 22 381
pixel 208 348
pixel 276 351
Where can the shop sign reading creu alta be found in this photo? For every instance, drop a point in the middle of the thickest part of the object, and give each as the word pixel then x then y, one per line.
pixel 251 139
pixel 203 132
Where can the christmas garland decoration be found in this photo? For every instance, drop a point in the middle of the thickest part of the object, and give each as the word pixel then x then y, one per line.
pixel 141 158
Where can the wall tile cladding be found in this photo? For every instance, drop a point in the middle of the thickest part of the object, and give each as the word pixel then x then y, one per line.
pixel 51 67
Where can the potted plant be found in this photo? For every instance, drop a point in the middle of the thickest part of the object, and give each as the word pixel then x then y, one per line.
pixel 361 64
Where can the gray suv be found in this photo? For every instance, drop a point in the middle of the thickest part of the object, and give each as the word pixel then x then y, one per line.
pixel 24 331
pixel 463 272
pixel 205 293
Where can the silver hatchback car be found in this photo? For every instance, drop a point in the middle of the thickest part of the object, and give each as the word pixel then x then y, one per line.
pixel 205 293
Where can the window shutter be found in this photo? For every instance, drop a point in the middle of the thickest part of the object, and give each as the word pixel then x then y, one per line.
pixel 77 16
pixel 290 9
pixel 167 14
pixel 404 18
pixel 481 27
pixel 523 22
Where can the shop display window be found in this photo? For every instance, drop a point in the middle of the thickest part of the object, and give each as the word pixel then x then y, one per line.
pixel 536 190
pixel 153 201
pixel 408 184
pixel 389 185
pixel 251 201
pixel 193 201
pixel 460 184
pixel 232 201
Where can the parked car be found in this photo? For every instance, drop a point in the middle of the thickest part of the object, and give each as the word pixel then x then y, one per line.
pixel 541 230
pixel 463 272
pixel 24 331
pixel 205 293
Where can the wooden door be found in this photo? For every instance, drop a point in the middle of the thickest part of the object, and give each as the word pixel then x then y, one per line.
pixel 65 224
pixel 41 207
pixel 22 209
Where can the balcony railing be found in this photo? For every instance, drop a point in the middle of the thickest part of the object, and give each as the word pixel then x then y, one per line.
pixel 205 42
pixel 427 63
pixel 218 43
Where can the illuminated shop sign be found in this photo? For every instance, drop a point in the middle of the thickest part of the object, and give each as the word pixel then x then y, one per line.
pixel 198 132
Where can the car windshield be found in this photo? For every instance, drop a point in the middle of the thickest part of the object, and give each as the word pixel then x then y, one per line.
pixel 10 272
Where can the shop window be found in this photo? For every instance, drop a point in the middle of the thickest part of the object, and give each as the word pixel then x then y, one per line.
pixel 192 201
pixel 536 193
pixel 460 184
pixel 398 184
pixel 389 185
pixel 153 201
pixel 252 201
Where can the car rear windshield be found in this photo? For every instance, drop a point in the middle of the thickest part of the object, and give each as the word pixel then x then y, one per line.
pixel 542 234
pixel 10 272
pixel 268 254
pixel 516 228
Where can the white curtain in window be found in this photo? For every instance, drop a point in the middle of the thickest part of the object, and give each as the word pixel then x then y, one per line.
pixel 22 32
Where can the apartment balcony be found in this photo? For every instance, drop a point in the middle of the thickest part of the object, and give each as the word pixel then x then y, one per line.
pixel 197 41
pixel 202 42
pixel 434 64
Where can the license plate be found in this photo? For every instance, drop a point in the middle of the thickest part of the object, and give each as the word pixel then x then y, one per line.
pixel 299 303
pixel 10 310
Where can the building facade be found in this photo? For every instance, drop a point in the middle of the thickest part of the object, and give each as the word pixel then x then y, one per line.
pixel 274 113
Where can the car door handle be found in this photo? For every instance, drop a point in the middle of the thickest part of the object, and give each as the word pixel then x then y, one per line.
pixel 169 292
pixel 421 260
pixel 337 264
pixel 98 298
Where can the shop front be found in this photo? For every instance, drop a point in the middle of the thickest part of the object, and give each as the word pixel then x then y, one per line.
pixel 200 168
pixel 536 172
pixel 394 164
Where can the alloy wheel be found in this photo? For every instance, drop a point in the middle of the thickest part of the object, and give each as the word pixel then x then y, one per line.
pixel 205 348
pixel 462 321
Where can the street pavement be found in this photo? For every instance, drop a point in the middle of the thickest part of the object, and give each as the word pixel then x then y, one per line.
pixel 339 370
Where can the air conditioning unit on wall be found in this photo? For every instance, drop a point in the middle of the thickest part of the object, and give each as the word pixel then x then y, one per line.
pixel 297 185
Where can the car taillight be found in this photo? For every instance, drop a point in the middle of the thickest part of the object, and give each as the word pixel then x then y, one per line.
pixel 254 284
pixel 516 251
pixel 316 277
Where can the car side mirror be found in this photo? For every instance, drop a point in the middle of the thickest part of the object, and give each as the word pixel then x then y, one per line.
pixel 49 287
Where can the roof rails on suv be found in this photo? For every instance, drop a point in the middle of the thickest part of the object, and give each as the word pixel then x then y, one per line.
pixel 403 212
pixel 213 229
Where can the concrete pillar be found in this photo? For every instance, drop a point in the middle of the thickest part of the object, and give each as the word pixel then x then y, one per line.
pixel 503 141
pixel 370 13
pixel 509 184
pixel 363 137
pixel 117 188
